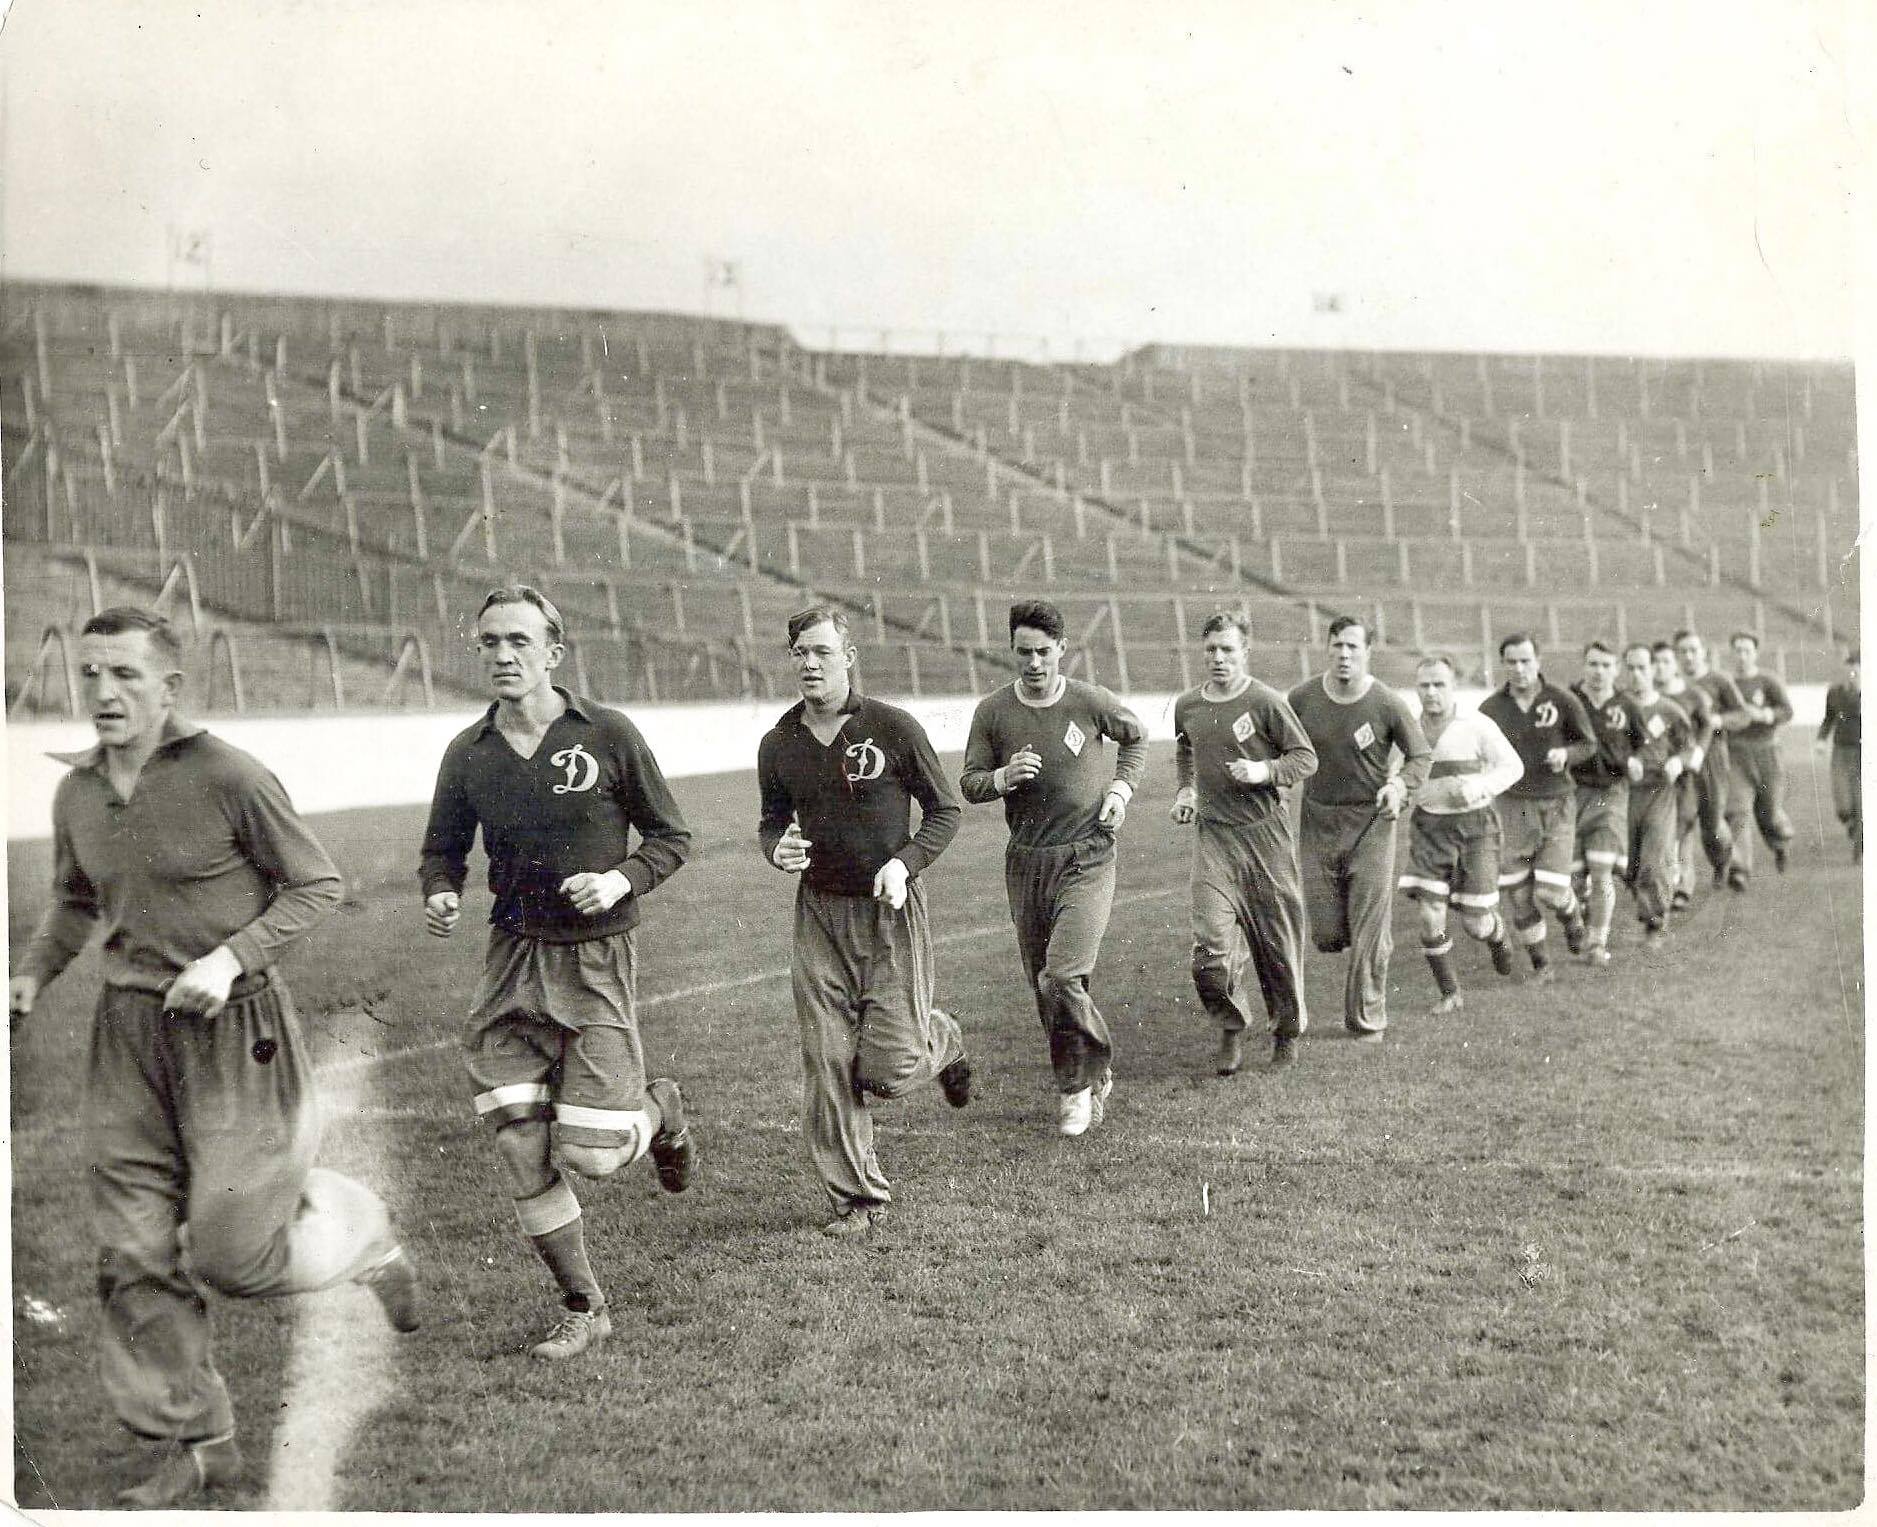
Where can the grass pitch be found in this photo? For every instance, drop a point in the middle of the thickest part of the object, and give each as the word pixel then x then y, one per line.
pixel 1592 1246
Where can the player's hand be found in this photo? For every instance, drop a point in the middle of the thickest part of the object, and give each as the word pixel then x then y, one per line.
pixel 593 893
pixel 1632 766
pixel 1473 793
pixel 1391 797
pixel 1114 810
pixel 1696 757
pixel 201 991
pixel 21 993
pixel 889 885
pixel 1764 714
pixel 1185 806
pixel 1556 759
pixel 1249 771
pixel 441 912
pixel 1025 764
pixel 1672 769
pixel 791 853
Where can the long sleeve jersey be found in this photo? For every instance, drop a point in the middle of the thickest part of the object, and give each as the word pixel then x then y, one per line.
pixel 1063 803
pixel 1257 724
pixel 1618 727
pixel 1699 705
pixel 568 809
pixel 1472 763
pixel 207 851
pixel 1554 719
pixel 1352 739
pixel 1667 731
pixel 1729 708
pixel 1762 689
pixel 853 796
pixel 1844 718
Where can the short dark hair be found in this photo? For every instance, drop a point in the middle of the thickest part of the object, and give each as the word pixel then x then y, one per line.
pixel 521 593
pixel 122 619
pixel 1642 647
pixel 815 615
pixel 1038 615
pixel 1221 620
pixel 1668 647
pixel 1346 622
pixel 1518 639
pixel 1437 657
pixel 1598 644
pixel 1685 635
pixel 1752 636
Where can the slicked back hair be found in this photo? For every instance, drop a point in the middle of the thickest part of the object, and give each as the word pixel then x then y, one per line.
pixel 1752 636
pixel 521 593
pixel 1663 646
pixel 121 619
pixel 1598 644
pixel 1440 658
pixel 814 615
pixel 1344 623
pixel 1038 615
pixel 1642 647
pixel 1519 639
pixel 1685 635
pixel 1227 620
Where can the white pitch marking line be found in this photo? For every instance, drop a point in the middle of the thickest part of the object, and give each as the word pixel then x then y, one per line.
pixel 338 1372
pixel 713 988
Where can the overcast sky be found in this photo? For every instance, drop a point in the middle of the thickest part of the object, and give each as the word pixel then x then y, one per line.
pixel 1514 175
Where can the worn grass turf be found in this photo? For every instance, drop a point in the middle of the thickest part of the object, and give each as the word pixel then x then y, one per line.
pixel 1590 1246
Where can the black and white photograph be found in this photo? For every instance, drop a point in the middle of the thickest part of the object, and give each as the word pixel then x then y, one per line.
pixel 800 756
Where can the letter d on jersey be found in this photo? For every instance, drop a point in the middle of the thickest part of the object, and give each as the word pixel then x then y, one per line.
pixel 583 769
pixel 867 761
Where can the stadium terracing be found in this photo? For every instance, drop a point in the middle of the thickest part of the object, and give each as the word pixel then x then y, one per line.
pixel 321 492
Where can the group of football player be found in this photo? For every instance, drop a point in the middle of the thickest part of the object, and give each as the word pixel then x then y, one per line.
pixel 200 1109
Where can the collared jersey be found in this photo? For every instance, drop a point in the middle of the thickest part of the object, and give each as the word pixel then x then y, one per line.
pixel 1063 803
pixel 1844 718
pixel 1553 720
pixel 569 809
pixel 1352 741
pixel 853 796
pixel 1666 730
pixel 1618 728
pixel 207 851
pixel 1258 724
pixel 1471 758
pixel 1763 689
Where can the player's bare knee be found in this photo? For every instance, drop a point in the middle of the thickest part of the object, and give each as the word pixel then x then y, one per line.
pixel 1433 918
pixel 1478 924
pixel 1557 897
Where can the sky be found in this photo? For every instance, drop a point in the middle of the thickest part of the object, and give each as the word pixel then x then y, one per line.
pixel 1589 177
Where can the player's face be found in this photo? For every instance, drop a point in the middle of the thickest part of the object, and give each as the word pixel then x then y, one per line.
pixel 1600 672
pixel 1349 654
pixel 1225 656
pixel 1521 665
pixel 1666 669
pixel 518 650
pixel 1746 653
pixel 1040 656
pixel 1693 654
pixel 1434 684
pixel 128 689
pixel 823 660
pixel 1639 671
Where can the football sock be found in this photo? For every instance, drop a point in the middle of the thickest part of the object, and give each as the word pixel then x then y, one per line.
pixel 1532 936
pixel 1602 909
pixel 551 1219
pixel 1439 952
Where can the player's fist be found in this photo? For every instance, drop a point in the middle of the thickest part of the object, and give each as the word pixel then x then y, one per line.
pixel 1672 769
pixel 441 912
pixel 1025 764
pixel 1114 809
pixel 1185 806
pixel 1556 759
pixel 201 991
pixel 21 993
pixel 1391 797
pixel 595 892
pixel 889 885
pixel 1696 757
pixel 1632 766
pixel 1249 771
pixel 1473 792
pixel 792 848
